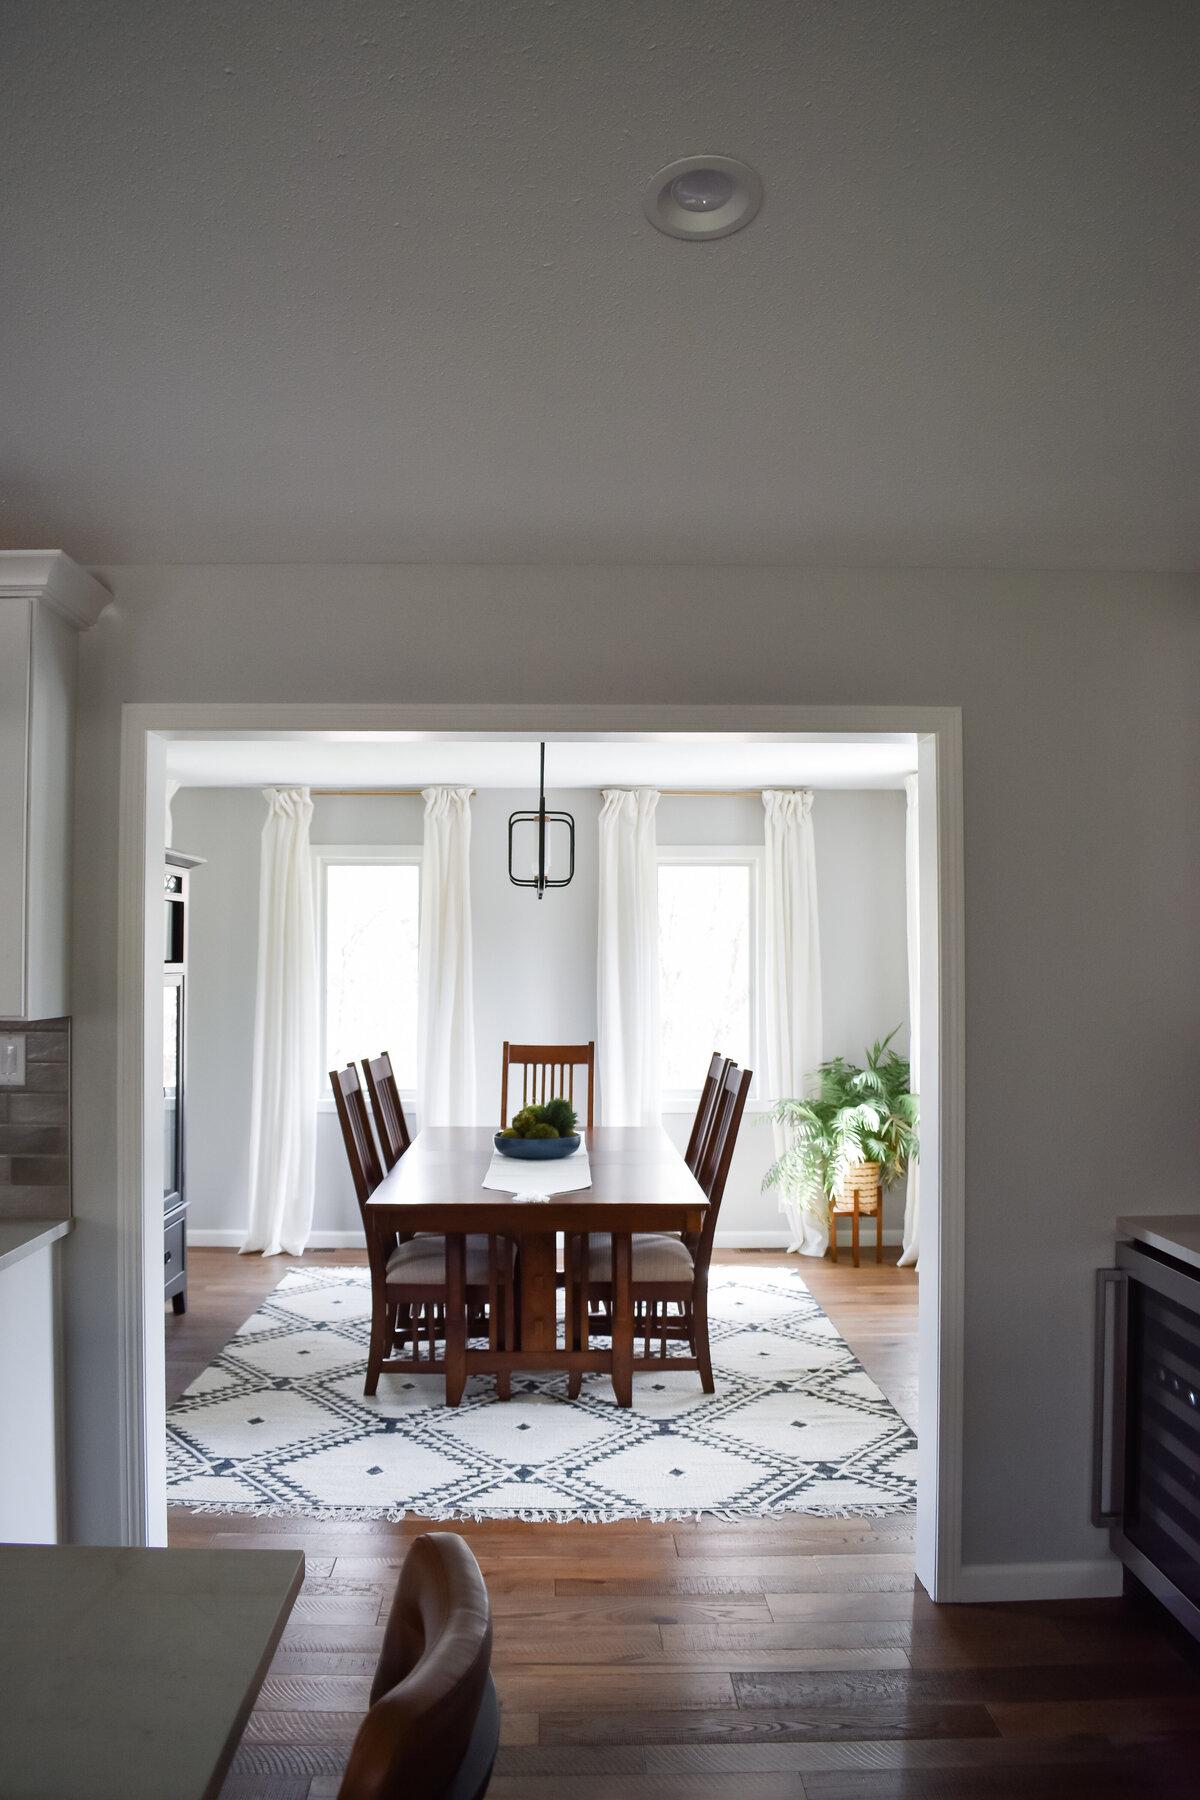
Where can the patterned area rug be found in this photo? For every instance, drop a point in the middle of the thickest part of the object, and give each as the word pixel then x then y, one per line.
pixel 278 1424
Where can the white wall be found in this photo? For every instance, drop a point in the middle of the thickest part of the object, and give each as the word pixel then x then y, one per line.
pixel 1082 866
pixel 535 960
pixel 535 968
pixel 223 825
pixel 859 839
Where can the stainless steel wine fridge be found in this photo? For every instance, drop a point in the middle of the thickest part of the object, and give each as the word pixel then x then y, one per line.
pixel 1146 1465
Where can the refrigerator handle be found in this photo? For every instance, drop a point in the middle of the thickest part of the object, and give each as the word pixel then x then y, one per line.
pixel 1108 1419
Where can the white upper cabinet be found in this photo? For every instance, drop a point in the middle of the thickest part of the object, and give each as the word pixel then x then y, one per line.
pixel 45 601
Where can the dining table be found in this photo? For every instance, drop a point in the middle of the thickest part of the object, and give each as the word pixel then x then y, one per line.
pixel 639 1182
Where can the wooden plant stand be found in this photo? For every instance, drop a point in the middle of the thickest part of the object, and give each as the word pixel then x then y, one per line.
pixel 860 1197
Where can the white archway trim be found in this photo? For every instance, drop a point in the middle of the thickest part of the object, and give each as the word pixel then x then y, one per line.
pixel 939 732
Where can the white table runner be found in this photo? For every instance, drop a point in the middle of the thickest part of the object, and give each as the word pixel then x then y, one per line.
pixel 531 1180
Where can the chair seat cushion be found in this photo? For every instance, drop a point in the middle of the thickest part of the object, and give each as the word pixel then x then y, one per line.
pixel 421 1262
pixel 657 1256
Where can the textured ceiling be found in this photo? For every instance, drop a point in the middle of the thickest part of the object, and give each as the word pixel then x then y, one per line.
pixel 371 281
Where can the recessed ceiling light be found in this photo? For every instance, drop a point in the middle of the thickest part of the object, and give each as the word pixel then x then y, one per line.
pixel 702 197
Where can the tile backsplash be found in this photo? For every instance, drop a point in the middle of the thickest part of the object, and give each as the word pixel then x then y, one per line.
pixel 35 1125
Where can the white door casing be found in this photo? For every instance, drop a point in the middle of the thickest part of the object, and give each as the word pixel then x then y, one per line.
pixel 145 730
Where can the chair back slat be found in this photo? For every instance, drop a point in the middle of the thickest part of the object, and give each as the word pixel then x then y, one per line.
pixel 706 1112
pixel 714 1170
pixel 433 1725
pixel 392 1126
pixel 351 1103
pixel 547 1071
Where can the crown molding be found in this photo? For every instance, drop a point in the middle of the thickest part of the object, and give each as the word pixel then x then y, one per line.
pixel 51 576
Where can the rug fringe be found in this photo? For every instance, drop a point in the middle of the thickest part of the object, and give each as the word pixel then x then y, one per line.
pixel 393 1515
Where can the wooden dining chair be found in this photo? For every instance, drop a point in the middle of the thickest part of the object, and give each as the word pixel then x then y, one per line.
pixel 433 1726
pixel 706 1112
pixel 547 1070
pixel 667 1270
pixel 390 1123
pixel 408 1275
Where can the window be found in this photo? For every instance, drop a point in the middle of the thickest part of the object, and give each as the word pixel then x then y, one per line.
pixel 367 924
pixel 708 954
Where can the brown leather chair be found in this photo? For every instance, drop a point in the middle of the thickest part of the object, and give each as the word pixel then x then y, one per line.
pixel 434 1720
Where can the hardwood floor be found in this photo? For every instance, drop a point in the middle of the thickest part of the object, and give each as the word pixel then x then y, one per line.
pixel 761 1659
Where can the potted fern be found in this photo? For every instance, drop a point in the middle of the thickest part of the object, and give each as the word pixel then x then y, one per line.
pixel 858 1132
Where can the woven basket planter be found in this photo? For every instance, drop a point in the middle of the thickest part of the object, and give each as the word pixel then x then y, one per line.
pixel 865 1177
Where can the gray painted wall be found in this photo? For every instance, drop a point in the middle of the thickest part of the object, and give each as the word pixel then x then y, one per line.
pixel 1082 868
pixel 535 966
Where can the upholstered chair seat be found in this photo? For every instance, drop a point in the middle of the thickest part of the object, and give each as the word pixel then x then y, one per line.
pixel 657 1256
pixel 421 1261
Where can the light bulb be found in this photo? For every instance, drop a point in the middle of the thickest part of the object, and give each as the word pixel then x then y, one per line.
pixel 701 190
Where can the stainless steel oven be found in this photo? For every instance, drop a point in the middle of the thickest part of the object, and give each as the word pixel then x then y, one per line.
pixel 1146 1465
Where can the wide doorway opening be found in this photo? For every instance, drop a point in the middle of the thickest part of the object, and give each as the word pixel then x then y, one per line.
pixel 366 843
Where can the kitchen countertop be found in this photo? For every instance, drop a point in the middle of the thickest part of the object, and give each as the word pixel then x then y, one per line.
pixel 1177 1234
pixel 21 1237
pixel 129 1674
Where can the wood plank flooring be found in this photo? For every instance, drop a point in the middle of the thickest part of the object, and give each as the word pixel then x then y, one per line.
pixel 759 1660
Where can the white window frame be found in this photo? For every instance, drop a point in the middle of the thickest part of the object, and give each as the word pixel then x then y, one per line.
pixel 684 1100
pixel 324 856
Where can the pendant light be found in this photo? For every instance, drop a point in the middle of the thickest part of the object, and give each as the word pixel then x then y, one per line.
pixel 539 852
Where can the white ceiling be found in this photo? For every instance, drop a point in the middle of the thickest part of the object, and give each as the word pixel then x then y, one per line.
pixel 371 282
pixel 382 761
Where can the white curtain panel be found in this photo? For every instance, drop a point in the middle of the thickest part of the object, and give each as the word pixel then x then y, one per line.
pixel 792 982
pixel 628 1043
pixel 283 1104
pixel 446 983
pixel 912 1197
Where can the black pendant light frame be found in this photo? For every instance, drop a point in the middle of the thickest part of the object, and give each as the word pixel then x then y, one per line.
pixel 541 818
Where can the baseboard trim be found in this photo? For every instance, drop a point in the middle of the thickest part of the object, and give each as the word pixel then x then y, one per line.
pixel 233 1240
pixel 893 1234
pixel 751 1240
pixel 352 1240
pixel 1098 1580
pixel 779 1240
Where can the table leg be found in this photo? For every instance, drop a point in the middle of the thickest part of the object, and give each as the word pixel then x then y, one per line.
pixel 456 1317
pixel 539 1290
pixel 622 1323
pixel 578 1250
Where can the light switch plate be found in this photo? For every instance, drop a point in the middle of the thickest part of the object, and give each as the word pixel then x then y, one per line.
pixel 12 1059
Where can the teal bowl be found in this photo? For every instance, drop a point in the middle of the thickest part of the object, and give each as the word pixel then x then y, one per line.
pixel 537 1149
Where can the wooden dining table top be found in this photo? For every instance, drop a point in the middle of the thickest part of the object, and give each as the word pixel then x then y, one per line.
pixel 640 1182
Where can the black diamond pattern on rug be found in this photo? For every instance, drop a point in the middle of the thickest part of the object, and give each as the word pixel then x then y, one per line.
pixel 279 1423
